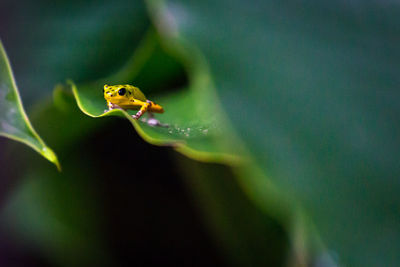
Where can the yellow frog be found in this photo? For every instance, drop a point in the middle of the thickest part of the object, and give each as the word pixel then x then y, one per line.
pixel 130 97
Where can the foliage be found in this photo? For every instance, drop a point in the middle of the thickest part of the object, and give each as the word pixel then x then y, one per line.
pixel 291 108
pixel 14 123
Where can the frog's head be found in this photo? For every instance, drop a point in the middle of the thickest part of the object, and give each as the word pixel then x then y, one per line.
pixel 117 94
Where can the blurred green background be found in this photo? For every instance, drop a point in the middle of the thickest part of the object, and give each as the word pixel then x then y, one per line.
pixel 283 146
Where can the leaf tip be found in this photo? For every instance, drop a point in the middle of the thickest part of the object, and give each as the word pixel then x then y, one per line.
pixel 51 156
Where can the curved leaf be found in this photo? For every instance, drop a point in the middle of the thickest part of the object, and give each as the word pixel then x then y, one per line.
pixel 14 123
pixel 195 130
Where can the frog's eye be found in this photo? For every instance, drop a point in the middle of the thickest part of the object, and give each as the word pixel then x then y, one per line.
pixel 122 91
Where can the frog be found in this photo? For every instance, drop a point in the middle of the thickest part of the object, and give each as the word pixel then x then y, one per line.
pixel 126 96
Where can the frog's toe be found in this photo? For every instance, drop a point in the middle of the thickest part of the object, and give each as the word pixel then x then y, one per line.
pixel 155 122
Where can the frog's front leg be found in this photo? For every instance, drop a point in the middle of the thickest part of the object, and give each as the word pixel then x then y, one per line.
pixel 151 120
pixel 143 109
pixel 112 106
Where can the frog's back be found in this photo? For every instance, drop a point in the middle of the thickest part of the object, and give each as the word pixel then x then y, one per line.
pixel 136 93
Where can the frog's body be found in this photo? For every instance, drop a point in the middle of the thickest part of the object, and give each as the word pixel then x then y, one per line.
pixel 129 97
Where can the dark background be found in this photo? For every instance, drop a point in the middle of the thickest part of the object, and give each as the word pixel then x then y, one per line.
pixel 118 201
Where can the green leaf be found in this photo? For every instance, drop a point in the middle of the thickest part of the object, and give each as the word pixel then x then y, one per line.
pixel 312 90
pixel 198 131
pixel 14 123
